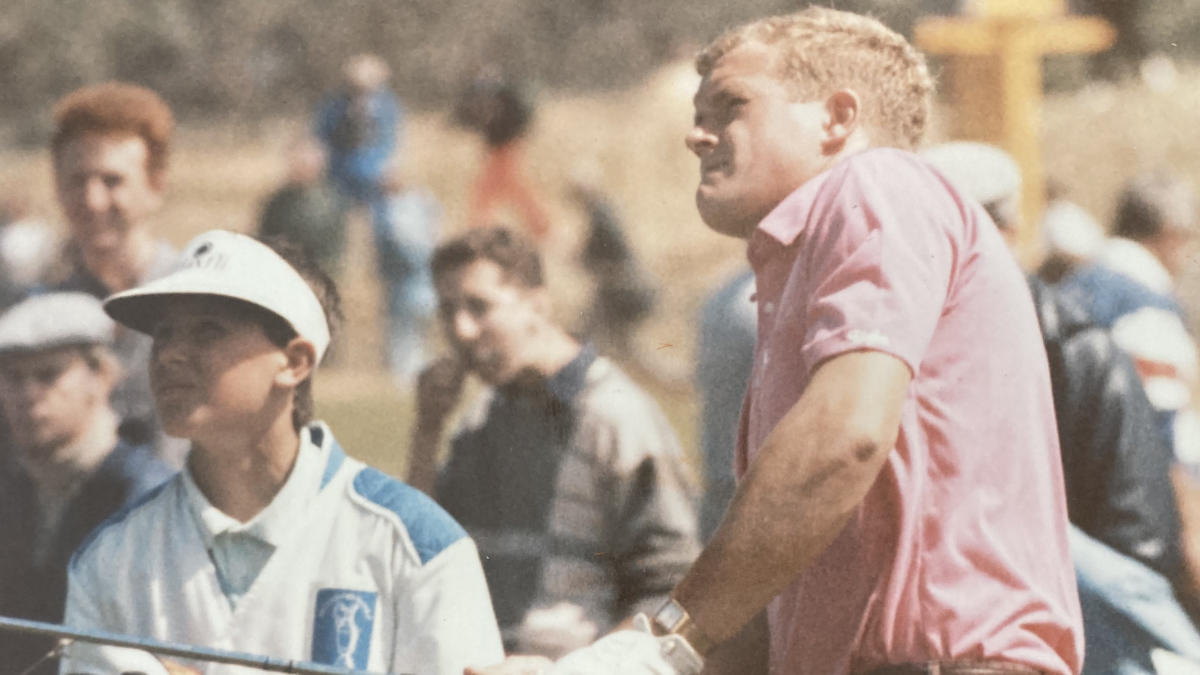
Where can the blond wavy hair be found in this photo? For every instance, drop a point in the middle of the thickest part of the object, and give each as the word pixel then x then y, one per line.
pixel 821 50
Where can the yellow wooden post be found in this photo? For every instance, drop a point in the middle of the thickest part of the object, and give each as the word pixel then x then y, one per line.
pixel 994 75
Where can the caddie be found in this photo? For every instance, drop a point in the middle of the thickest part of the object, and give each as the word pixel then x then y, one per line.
pixel 900 506
pixel 271 540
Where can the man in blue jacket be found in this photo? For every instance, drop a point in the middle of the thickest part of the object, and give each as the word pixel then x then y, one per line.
pixel 63 469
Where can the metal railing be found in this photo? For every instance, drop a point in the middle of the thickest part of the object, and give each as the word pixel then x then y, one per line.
pixel 266 663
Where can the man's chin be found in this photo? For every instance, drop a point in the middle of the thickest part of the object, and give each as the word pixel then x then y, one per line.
pixel 102 239
pixel 721 218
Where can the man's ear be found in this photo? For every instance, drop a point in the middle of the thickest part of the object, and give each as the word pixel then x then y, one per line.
pixel 301 361
pixel 157 179
pixel 842 117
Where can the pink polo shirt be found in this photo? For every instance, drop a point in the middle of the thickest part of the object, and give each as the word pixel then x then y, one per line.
pixel 959 550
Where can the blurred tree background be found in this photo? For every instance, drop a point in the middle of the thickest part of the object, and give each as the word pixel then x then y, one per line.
pixel 244 60
pixel 244 75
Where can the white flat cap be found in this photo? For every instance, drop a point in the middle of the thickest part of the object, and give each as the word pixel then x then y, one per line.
pixel 52 320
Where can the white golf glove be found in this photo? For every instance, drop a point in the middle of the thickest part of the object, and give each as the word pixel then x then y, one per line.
pixel 632 652
pixel 92 659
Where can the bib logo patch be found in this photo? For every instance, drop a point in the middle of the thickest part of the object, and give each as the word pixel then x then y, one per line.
pixel 342 627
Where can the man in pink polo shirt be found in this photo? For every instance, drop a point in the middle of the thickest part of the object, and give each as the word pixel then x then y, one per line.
pixel 901 505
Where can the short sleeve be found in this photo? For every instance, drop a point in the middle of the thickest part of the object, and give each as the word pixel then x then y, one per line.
pixel 83 612
pixel 446 621
pixel 877 259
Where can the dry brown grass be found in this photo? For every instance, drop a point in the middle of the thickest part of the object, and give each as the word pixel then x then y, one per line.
pixel 1094 139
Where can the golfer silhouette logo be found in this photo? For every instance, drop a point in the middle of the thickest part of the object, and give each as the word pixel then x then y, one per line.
pixel 342 627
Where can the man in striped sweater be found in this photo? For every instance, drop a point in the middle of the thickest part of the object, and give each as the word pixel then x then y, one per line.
pixel 565 472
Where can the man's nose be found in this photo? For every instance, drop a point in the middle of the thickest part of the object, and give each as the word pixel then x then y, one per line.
pixel 465 327
pixel 700 140
pixel 95 195
pixel 168 350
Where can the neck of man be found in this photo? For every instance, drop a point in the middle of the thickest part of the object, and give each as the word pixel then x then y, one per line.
pixel 241 473
pixel 58 473
pixel 555 351
pixel 124 268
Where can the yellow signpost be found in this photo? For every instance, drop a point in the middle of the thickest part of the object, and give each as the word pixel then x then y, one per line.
pixel 994 75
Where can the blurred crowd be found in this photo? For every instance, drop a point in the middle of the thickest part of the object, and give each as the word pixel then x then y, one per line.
pixel 563 471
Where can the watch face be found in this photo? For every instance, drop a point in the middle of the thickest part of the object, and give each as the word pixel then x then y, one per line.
pixel 669 615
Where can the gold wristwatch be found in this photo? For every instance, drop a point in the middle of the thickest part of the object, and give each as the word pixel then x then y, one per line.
pixel 673 618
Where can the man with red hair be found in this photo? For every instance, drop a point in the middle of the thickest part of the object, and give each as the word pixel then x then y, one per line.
pixel 110 147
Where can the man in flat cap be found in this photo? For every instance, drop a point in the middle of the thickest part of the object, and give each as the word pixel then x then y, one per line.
pixel 64 468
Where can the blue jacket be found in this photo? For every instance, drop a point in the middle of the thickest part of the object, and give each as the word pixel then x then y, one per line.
pixel 359 147
pixel 32 591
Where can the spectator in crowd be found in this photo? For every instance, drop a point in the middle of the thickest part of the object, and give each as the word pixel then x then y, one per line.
pixel 27 248
pixel 67 469
pixel 223 555
pixel 1129 289
pixel 624 294
pixel 900 506
pixel 404 239
pixel 499 109
pixel 1070 235
pixel 306 209
pixel 1116 463
pixel 565 471
pixel 359 126
pixel 724 360
pixel 110 147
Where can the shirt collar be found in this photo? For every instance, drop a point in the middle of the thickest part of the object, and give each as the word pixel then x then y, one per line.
pixel 273 523
pixel 566 384
pixel 783 225
pixel 563 386
pixel 1135 261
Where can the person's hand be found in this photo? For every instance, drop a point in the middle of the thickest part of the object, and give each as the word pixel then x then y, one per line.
pixel 177 669
pixel 556 629
pixel 515 665
pixel 439 387
pixel 632 652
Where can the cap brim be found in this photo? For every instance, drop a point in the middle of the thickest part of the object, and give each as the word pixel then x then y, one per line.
pixel 140 308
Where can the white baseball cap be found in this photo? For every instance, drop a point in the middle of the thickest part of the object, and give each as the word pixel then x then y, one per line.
pixel 51 320
pixel 1071 231
pixel 230 265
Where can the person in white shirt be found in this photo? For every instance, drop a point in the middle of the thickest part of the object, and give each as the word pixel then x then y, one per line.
pixel 271 541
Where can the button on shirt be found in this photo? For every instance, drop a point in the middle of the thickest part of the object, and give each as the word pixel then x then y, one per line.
pixel 959 549
pixel 240 550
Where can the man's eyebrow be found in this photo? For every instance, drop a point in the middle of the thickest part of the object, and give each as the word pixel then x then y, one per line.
pixel 726 92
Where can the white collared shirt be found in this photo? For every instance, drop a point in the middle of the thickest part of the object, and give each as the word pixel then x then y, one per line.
pixel 240 550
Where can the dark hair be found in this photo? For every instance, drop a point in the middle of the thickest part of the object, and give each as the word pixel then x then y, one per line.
pixel 280 333
pixel 1153 202
pixel 514 253
pixel 116 107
